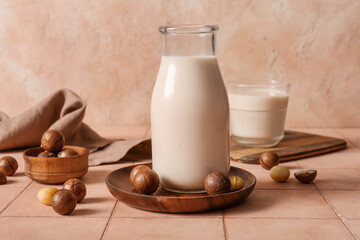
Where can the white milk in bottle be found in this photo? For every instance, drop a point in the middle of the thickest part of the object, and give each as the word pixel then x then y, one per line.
pixel 189 111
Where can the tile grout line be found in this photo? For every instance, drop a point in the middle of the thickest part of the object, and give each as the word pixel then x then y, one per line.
pixel 146 132
pixel 297 164
pixel 300 168
pixel 59 217
pixel 108 222
pixel 346 138
pixel 16 196
pixel 305 189
pixel 288 189
pixel 224 224
pixel 284 218
pixel 167 217
pixel 243 218
pixel 334 210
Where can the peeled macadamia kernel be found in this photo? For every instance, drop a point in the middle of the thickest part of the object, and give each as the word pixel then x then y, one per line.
pixel 305 176
pixel 237 183
pixel 8 165
pixel 67 152
pixel 77 187
pixel 268 160
pixel 146 181
pixel 52 141
pixel 279 173
pixel 3 178
pixel 45 194
pixel 217 182
pixel 63 201
pixel 135 170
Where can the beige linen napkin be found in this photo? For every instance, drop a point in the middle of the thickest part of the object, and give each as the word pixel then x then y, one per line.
pixel 64 111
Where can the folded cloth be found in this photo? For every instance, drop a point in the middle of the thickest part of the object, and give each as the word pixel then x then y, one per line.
pixel 64 111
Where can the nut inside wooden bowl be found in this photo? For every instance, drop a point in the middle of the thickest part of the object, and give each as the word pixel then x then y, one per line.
pixel 55 169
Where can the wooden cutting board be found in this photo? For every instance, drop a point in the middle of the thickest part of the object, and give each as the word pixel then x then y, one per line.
pixel 295 145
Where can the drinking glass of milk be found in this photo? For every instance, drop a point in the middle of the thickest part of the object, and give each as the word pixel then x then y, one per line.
pixel 189 110
pixel 257 112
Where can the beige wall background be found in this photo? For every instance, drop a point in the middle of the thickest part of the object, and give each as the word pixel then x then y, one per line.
pixel 108 52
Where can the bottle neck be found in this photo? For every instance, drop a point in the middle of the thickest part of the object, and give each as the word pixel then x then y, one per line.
pixel 188 45
pixel 188 40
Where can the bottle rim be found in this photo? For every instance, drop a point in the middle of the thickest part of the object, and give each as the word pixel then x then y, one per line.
pixel 188 29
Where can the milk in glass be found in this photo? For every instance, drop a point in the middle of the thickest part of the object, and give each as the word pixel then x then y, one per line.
pixel 257 114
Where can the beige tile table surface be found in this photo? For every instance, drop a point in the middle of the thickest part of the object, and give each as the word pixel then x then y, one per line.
pixel 329 208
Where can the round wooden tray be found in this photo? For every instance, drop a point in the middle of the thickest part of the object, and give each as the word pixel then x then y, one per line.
pixel 162 200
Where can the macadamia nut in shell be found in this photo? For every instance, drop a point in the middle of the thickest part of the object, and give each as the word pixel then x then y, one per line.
pixel 8 165
pixel 52 141
pixel 216 183
pixel 3 178
pixel 77 187
pixel 146 181
pixel 268 160
pixel 63 202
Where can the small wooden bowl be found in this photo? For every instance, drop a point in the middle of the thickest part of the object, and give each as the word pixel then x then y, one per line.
pixel 55 169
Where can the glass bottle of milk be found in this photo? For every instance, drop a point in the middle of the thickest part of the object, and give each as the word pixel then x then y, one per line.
pixel 189 110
